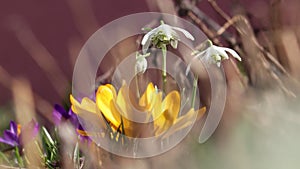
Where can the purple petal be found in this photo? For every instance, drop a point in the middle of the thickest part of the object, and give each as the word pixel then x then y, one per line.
pixel 9 138
pixel 59 109
pixel 13 127
pixel 8 135
pixel 56 117
pixel 34 127
pixel 80 127
pixel 9 142
pixel 74 119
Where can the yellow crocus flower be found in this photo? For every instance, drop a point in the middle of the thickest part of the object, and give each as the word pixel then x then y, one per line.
pixel 115 109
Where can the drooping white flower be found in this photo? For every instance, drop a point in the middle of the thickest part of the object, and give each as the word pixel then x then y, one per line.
pixel 141 62
pixel 213 55
pixel 163 34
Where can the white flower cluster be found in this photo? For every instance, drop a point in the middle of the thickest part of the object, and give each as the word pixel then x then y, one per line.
pixel 163 34
pixel 213 55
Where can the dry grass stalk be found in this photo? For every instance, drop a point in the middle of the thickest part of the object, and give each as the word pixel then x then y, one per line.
pixel 41 104
pixel 259 63
pixel 25 112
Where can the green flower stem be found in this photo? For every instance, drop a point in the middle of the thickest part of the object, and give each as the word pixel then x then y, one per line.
pixel 137 85
pixel 195 86
pixel 19 158
pixel 164 67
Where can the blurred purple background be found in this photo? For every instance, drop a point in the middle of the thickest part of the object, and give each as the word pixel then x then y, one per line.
pixel 62 31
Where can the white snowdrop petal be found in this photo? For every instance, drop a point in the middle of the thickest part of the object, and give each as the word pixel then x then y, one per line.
pixel 206 57
pixel 186 33
pixel 167 30
pixel 145 47
pixel 233 53
pixel 221 51
pixel 147 36
pixel 174 35
pixel 174 43
pixel 141 65
pixel 218 58
pixel 210 59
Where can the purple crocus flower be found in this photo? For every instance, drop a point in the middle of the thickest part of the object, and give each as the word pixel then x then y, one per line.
pixel 13 135
pixel 60 114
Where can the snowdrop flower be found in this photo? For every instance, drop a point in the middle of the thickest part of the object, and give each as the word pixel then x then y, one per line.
pixel 141 62
pixel 163 35
pixel 213 54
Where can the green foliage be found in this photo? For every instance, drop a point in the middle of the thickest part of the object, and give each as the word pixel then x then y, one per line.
pixel 50 146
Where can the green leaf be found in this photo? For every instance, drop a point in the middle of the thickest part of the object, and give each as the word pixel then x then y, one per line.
pixel 47 136
pixel 50 145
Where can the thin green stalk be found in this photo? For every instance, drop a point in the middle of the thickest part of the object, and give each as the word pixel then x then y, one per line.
pixel 26 159
pixel 195 85
pixel 137 86
pixel 5 158
pixel 19 158
pixel 164 67
pixel 39 148
pixel 123 131
pixel 76 156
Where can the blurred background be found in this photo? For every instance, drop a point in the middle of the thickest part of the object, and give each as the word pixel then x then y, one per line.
pixel 40 41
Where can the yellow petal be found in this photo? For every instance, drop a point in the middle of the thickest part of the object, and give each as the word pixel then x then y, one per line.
pixel 122 100
pixel 89 105
pixel 151 102
pixel 113 90
pixel 185 121
pixel 170 108
pixel 161 124
pixel 145 100
pixel 89 134
pixel 105 103
pixel 86 104
pixel 172 104
pixel 201 113
pixel 157 106
pixel 75 104
pixel 88 112
pixel 124 104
